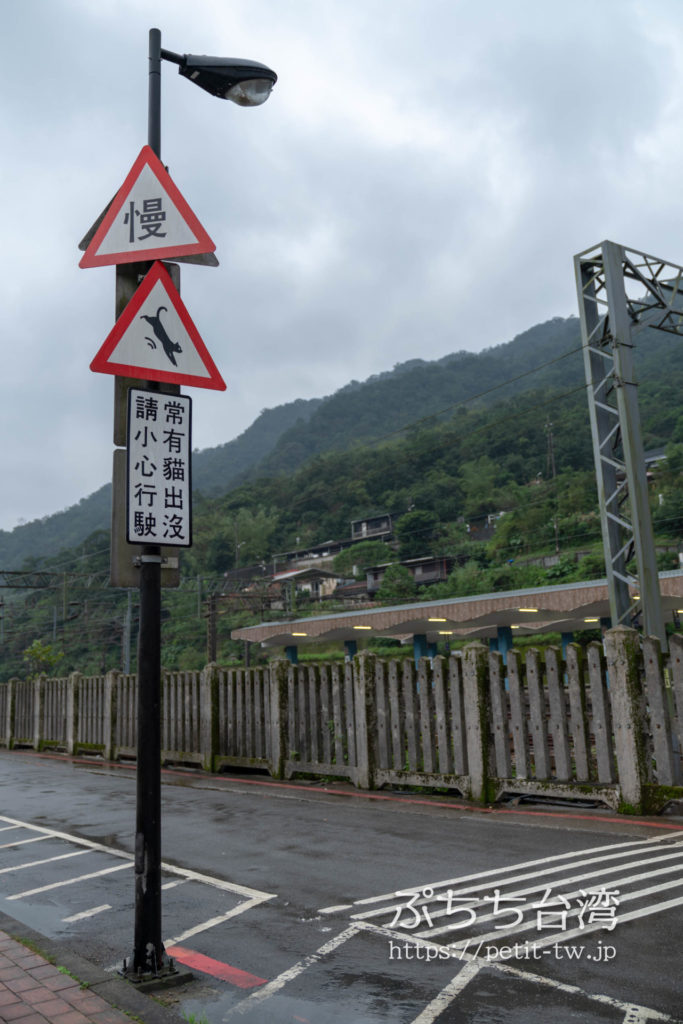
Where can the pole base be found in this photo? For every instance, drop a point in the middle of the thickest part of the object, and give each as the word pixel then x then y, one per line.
pixel 169 975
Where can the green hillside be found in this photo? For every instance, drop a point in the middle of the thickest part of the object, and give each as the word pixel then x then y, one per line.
pixel 214 470
pixel 441 446
pixel 282 439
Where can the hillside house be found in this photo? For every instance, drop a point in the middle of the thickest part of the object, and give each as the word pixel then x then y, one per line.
pixel 314 584
pixel 426 570
pixel 374 527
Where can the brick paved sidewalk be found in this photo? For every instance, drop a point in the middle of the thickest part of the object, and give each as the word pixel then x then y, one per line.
pixel 34 991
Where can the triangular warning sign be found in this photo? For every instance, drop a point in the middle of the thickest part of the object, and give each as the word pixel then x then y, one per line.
pixel 147 220
pixel 155 339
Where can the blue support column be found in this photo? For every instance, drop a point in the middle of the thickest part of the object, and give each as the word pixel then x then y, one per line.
pixel 567 638
pixel 292 652
pixel 350 649
pixel 503 642
pixel 432 650
pixel 420 647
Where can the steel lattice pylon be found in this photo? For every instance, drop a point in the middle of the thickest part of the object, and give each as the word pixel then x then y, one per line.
pixel 621 291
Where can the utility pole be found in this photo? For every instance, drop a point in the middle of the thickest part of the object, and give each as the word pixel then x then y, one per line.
pixel 127 628
pixel 211 638
pixel 610 323
pixel 551 469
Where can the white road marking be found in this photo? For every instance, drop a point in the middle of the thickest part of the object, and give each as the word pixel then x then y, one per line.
pixel 252 897
pixel 498 879
pixel 563 935
pixel 195 876
pixel 495 872
pixel 632 915
pixel 212 922
pixel 636 1015
pixel 516 972
pixel 448 994
pixel 8 828
pixel 23 842
pixel 334 910
pixel 541 887
pixel 276 984
pixel 218 883
pixel 505 877
pixel 87 913
pixel 46 860
pixel 69 881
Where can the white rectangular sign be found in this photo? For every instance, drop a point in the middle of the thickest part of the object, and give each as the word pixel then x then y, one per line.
pixel 159 496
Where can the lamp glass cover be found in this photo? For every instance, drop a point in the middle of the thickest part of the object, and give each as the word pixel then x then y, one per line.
pixel 251 93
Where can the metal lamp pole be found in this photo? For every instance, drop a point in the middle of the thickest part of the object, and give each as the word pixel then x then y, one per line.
pixel 246 83
pixel 148 950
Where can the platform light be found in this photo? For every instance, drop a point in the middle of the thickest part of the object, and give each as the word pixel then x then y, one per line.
pixel 362 627
pixel 527 609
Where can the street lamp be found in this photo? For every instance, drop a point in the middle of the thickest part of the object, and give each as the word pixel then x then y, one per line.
pixel 246 83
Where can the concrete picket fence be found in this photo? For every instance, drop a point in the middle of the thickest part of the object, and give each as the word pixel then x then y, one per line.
pixel 605 724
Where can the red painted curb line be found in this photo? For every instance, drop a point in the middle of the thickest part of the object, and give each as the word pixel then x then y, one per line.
pixel 216 968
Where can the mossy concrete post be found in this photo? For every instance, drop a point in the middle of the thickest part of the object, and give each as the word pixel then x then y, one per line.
pixel 109 713
pixel 71 711
pixel 365 711
pixel 622 649
pixel 477 717
pixel 676 648
pixel 208 716
pixel 279 714
pixel 38 693
pixel 658 705
pixel 8 723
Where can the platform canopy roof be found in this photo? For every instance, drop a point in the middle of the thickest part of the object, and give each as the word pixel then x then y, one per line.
pixel 565 608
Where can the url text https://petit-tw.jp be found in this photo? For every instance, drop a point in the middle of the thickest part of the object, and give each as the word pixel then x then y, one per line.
pixel 601 953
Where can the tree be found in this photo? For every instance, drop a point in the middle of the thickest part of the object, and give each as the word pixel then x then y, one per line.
pixel 416 533
pixel 398 586
pixel 41 657
pixel 361 556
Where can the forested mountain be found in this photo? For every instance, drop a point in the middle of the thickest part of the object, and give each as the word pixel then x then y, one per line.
pixel 214 470
pixel 418 391
pixel 414 395
pixel 47 536
pixel 507 438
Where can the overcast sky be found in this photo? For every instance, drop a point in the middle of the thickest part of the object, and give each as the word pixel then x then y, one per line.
pixel 417 184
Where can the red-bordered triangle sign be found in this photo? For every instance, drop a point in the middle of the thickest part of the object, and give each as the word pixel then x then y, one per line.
pixel 148 220
pixel 155 339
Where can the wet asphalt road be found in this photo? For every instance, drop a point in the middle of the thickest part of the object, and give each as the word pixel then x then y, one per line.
pixel 282 898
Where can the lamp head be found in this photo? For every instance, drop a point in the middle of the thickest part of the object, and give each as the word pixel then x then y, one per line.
pixel 245 82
